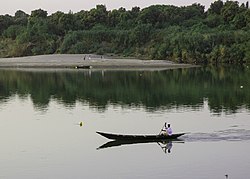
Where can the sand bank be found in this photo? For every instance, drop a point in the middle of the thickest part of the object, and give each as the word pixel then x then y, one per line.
pixel 80 60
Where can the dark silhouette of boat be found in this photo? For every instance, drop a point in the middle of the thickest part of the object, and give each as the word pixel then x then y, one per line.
pixel 140 137
pixel 83 67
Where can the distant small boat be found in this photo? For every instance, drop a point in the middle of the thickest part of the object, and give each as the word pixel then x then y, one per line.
pixel 121 137
pixel 83 67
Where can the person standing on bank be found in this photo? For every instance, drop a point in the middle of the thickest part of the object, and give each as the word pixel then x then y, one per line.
pixel 167 130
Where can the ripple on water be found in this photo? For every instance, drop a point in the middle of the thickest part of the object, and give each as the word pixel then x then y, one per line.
pixel 222 135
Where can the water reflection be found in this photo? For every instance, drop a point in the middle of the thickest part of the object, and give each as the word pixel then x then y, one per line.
pixel 225 88
pixel 165 145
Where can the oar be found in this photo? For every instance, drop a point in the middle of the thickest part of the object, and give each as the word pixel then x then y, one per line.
pixel 161 128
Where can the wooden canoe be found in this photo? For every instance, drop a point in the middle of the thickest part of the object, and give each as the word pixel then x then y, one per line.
pixel 83 67
pixel 139 137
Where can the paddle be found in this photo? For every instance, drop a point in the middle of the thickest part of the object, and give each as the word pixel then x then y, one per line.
pixel 162 128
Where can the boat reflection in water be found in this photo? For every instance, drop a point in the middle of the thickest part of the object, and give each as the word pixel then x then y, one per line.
pixel 166 145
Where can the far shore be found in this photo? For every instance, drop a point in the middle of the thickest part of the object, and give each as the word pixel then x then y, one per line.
pixel 87 61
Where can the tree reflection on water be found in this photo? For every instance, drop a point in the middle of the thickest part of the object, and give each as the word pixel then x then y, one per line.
pixel 226 89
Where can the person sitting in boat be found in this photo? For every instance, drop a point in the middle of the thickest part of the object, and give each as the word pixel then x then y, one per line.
pixel 167 130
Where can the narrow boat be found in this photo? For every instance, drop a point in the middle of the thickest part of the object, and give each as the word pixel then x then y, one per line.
pixel 139 137
pixel 83 67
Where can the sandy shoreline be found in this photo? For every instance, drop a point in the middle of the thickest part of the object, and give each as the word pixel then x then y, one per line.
pixel 80 60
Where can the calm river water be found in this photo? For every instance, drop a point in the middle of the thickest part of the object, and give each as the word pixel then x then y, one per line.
pixel 40 113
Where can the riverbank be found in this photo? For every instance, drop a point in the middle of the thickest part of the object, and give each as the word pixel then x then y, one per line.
pixel 86 61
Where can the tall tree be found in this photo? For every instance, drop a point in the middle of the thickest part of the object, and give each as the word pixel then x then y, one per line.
pixel 215 7
pixel 230 10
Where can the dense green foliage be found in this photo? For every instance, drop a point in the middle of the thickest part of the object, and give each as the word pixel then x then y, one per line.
pixel 170 89
pixel 182 34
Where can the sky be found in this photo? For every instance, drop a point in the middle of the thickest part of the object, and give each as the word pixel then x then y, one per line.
pixel 51 6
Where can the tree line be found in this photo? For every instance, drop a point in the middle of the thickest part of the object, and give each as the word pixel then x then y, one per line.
pixel 186 34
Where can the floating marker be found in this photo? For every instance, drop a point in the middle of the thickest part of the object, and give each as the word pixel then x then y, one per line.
pixel 80 124
pixel 241 87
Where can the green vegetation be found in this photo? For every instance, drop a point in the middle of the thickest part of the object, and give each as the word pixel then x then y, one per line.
pixel 181 34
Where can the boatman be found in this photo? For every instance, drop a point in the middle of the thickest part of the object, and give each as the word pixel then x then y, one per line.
pixel 167 130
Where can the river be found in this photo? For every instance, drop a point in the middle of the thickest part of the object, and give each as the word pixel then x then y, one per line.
pixel 41 112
